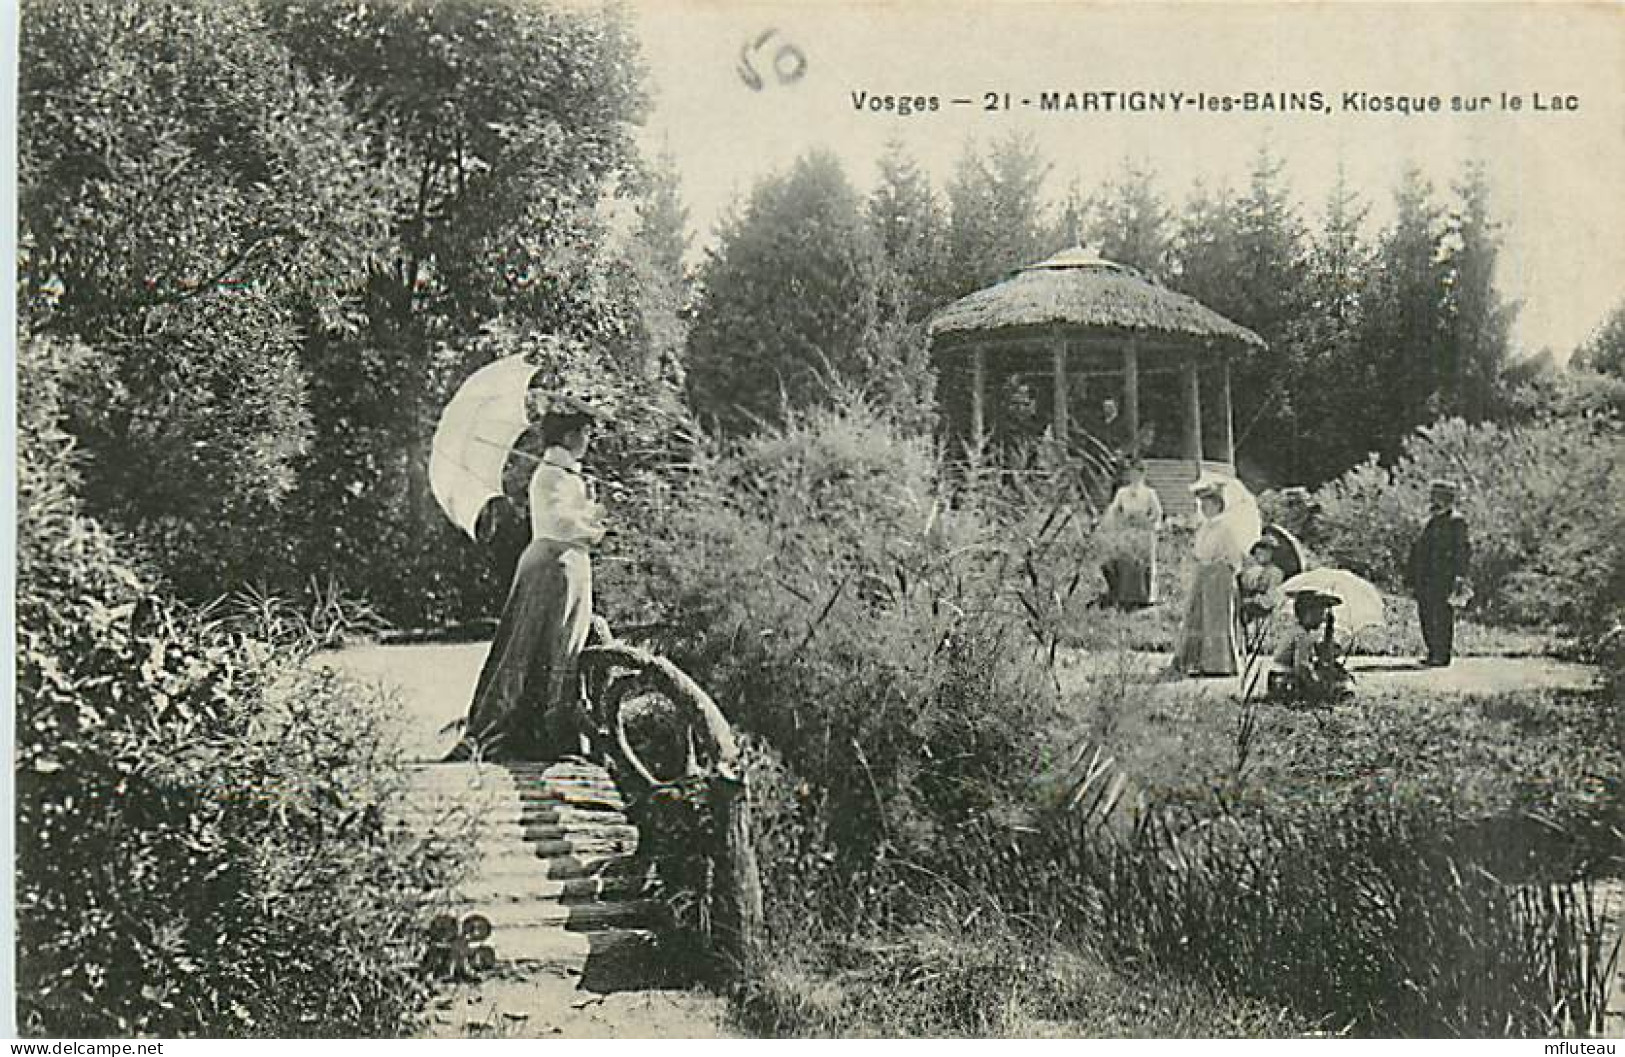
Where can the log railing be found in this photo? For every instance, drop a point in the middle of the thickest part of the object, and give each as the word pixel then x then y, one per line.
pixel 616 671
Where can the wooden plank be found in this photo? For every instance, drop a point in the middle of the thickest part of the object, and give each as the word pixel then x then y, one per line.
pixel 1131 396
pixel 1059 422
pixel 978 383
pixel 1193 414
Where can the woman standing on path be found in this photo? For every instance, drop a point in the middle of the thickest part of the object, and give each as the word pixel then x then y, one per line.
pixel 1131 524
pixel 1208 642
pixel 525 701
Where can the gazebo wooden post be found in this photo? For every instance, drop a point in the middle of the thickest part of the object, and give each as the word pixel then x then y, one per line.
pixel 1229 416
pixel 978 383
pixel 1059 421
pixel 1131 396
pixel 1193 415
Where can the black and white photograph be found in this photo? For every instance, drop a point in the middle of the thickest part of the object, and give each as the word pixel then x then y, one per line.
pixel 707 519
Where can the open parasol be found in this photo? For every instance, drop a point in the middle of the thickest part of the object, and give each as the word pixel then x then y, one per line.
pixel 476 433
pixel 1361 603
pixel 1240 521
pixel 1287 554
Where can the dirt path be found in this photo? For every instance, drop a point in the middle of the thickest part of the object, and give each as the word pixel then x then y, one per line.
pixel 1468 675
pixel 431 685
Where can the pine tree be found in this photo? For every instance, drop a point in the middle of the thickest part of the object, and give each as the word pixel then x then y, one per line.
pixel 662 223
pixel 791 306
pixel 1479 343
pixel 1130 222
pixel 1404 327
pixel 1071 227
pixel 1326 336
pixel 996 214
pixel 1258 241
pixel 910 225
pixel 1205 248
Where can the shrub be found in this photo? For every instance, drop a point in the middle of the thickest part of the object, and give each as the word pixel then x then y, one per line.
pixel 876 636
pixel 201 841
pixel 1539 500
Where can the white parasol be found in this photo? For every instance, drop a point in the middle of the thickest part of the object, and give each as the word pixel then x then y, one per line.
pixel 1240 523
pixel 477 431
pixel 1361 602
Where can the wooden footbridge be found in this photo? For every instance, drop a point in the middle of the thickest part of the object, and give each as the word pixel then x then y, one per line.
pixel 558 879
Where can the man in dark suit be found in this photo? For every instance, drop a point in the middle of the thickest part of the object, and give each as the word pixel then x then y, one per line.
pixel 1438 572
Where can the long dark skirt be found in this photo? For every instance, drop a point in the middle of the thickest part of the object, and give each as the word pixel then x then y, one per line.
pixel 525 699
pixel 1128 582
pixel 1208 641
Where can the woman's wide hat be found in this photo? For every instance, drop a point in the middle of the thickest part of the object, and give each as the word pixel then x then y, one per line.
pixel 568 403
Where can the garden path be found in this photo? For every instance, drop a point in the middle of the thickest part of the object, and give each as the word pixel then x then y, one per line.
pixel 1468 675
pixel 432 683
pixel 554 980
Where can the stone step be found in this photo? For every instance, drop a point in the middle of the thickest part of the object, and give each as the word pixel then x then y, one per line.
pixel 500 889
pixel 572 916
pixel 552 946
pixel 522 800
pixel 511 812
pixel 501 866
pixel 618 833
pixel 477 774
pixel 430 799
pixel 568 845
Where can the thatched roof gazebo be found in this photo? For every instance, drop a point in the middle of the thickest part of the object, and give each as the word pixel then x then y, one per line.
pixel 1078 333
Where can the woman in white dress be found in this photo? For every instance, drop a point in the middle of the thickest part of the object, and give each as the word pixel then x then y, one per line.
pixel 1130 524
pixel 525 704
pixel 1209 641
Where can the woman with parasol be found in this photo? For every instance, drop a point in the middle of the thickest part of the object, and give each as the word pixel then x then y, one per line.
pixel 524 703
pixel 1209 639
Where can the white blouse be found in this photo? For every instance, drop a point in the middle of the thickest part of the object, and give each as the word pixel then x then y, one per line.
pixel 560 508
pixel 1136 505
pixel 1219 539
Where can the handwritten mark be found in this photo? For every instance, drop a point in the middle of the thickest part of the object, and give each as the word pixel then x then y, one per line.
pixel 789 63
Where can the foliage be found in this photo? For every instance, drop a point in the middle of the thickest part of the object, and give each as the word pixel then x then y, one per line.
pixel 910 225
pixel 996 214
pixel 1130 222
pixel 202 848
pixel 1604 350
pixel 1479 319
pixel 187 202
pixel 1242 255
pixel 1371 919
pixel 795 308
pixel 816 580
pixel 282 232
pixel 1537 499
pixel 1405 838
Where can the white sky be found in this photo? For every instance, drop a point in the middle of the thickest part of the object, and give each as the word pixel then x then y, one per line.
pixel 1556 176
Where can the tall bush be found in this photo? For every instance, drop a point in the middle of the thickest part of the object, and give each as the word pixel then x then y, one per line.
pixel 201 839
pixel 1538 498
pixel 872 634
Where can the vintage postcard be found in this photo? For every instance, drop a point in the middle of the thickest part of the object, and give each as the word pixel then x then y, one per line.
pixel 850 519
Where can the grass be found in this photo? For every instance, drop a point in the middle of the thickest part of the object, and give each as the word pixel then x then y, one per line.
pixel 1552 757
pixel 1412 864
pixel 985 977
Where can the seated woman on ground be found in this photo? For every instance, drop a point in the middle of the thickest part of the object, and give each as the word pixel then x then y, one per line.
pixel 1309 669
